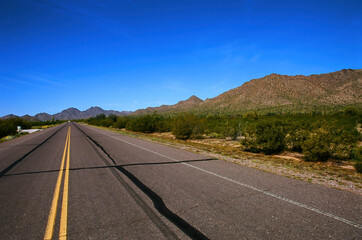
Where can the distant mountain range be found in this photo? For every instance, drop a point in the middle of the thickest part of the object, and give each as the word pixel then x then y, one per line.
pixel 69 114
pixel 272 93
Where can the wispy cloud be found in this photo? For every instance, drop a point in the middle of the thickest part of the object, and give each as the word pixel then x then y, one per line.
pixel 20 82
pixel 30 80
pixel 97 13
pixel 7 87
pixel 42 80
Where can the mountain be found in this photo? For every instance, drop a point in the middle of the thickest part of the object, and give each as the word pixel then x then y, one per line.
pixel 74 113
pixel 44 117
pixel 69 114
pixel 8 116
pixel 29 118
pixel 94 111
pixel 279 93
pixel 291 93
pixel 181 106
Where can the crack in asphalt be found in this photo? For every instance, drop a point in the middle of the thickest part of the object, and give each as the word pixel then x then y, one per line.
pixel 158 202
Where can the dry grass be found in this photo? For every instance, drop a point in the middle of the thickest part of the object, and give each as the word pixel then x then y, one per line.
pixel 335 174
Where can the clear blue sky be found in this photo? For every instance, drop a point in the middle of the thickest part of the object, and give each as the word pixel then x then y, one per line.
pixel 131 54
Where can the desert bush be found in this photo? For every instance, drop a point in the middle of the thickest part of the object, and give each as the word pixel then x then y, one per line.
pixel 342 142
pixel 350 111
pixel 101 116
pixel 271 137
pixel 121 122
pixel 106 122
pixel 317 145
pixel 186 125
pixel 148 123
pixel 7 128
pixel 356 155
pixel 145 124
pixel 97 120
pixel 251 116
pixel 113 117
pixel 163 125
pixel 215 135
pixel 267 137
pixel 358 166
pixel 233 128
pixel 295 138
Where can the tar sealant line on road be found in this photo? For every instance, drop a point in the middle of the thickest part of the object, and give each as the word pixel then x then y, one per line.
pixel 313 209
pixel 158 202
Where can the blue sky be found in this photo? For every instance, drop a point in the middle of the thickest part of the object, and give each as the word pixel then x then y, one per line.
pixel 131 54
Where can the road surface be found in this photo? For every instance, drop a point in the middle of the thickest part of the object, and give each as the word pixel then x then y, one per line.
pixel 74 181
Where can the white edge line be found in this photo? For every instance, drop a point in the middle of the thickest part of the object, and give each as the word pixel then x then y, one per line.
pixel 313 209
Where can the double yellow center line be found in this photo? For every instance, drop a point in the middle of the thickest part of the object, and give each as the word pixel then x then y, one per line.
pixel 53 211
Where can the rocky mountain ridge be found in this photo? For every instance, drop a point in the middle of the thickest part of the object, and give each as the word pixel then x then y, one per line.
pixel 300 93
pixel 70 114
pixel 279 93
pixel 181 106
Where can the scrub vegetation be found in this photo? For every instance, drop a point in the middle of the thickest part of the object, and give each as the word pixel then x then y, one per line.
pixel 318 137
pixel 8 127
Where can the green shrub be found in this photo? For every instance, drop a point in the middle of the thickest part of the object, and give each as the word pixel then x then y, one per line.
pixel 215 135
pixel 101 116
pixel 356 155
pixel 121 122
pixel 350 111
pixel 143 124
pixel 186 125
pixel 106 122
pixel 358 167
pixel 7 127
pixel 146 123
pixel 267 137
pixel 295 138
pixel 113 117
pixel 342 142
pixel 163 125
pixel 317 146
pixel 271 137
pixel 233 129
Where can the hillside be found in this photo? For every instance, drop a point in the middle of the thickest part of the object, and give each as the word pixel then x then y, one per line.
pixel 181 106
pixel 279 93
pixel 283 92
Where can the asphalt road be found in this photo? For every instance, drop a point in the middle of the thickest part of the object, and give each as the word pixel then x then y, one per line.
pixel 78 182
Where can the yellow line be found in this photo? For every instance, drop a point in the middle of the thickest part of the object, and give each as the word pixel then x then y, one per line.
pixel 53 211
pixel 64 215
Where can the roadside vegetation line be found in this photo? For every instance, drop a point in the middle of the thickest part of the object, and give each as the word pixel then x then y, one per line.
pixel 313 209
pixel 53 211
pixel 23 140
pixel 64 214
